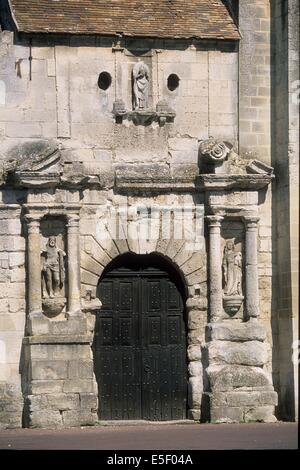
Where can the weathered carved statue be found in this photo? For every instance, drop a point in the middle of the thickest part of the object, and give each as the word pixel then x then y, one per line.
pixel 140 86
pixel 53 268
pixel 232 266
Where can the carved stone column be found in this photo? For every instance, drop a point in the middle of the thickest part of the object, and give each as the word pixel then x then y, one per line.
pixel 252 290
pixel 34 264
pixel 215 267
pixel 74 306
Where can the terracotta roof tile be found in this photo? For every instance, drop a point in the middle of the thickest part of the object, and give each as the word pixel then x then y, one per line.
pixel 139 18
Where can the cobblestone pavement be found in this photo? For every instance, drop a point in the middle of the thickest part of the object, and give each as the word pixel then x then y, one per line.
pixel 156 436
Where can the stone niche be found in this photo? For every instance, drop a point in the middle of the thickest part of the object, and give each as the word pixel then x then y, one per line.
pixel 233 269
pixel 140 92
pixel 59 387
pixel 53 267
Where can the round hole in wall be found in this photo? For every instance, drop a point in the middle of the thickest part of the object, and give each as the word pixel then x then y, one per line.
pixel 104 80
pixel 173 81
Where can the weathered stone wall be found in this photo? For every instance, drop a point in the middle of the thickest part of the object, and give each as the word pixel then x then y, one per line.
pixel 269 130
pixel 285 157
pixel 255 79
pixel 255 134
pixel 51 92
pixel 59 386
pixel 58 97
pixel 12 309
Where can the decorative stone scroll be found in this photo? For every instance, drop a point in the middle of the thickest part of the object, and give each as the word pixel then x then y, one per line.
pixel 214 151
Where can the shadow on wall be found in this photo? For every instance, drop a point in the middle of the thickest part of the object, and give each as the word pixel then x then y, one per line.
pixel 282 327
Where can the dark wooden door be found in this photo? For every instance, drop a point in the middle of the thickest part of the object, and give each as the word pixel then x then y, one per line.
pixel 140 347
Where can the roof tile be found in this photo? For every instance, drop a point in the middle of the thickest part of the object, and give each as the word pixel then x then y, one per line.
pixel 139 18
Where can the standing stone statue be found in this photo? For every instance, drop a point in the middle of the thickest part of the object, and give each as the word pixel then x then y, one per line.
pixel 53 268
pixel 140 86
pixel 232 266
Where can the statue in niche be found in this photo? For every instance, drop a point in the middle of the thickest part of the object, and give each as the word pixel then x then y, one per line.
pixel 232 266
pixel 53 268
pixel 140 86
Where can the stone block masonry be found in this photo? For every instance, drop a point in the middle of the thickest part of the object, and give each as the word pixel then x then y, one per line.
pixel 59 374
pixel 66 158
pixel 255 80
pixel 240 388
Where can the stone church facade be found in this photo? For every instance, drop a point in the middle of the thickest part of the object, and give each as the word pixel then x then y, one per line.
pixel 148 211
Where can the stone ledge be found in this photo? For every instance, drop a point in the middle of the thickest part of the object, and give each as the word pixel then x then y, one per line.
pixel 190 182
pixel 58 339
pixel 224 182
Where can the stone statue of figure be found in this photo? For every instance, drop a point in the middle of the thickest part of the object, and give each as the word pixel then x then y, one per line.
pixel 232 266
pixel 140 86
pixel 53 268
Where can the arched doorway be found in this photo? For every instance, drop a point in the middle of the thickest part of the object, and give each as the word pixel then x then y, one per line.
pixel 140 341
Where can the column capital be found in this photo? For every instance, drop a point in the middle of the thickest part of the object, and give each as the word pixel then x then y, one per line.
pixel 214 220
pixel 33 222
pixel 32 217
pixel 251 221
pixel 73 220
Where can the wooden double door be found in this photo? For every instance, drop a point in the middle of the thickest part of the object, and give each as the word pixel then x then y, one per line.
pixel 140 347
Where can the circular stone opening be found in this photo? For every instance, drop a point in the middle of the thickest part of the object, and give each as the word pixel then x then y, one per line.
pixel 173 82
pixel 104 80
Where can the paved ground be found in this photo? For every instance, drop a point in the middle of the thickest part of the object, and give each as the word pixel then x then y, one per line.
pixel 156 436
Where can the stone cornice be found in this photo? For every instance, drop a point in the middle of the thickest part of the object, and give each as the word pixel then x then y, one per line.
pixel 58 339
pixel 142 185
pixel 201 183
pixel 52 209
pixel 227 182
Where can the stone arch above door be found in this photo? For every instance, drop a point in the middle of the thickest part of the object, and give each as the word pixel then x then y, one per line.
pixel 191 268
pixel 98 254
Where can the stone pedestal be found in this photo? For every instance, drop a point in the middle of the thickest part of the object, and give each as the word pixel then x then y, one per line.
pixel 240 388
pixel 61 390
